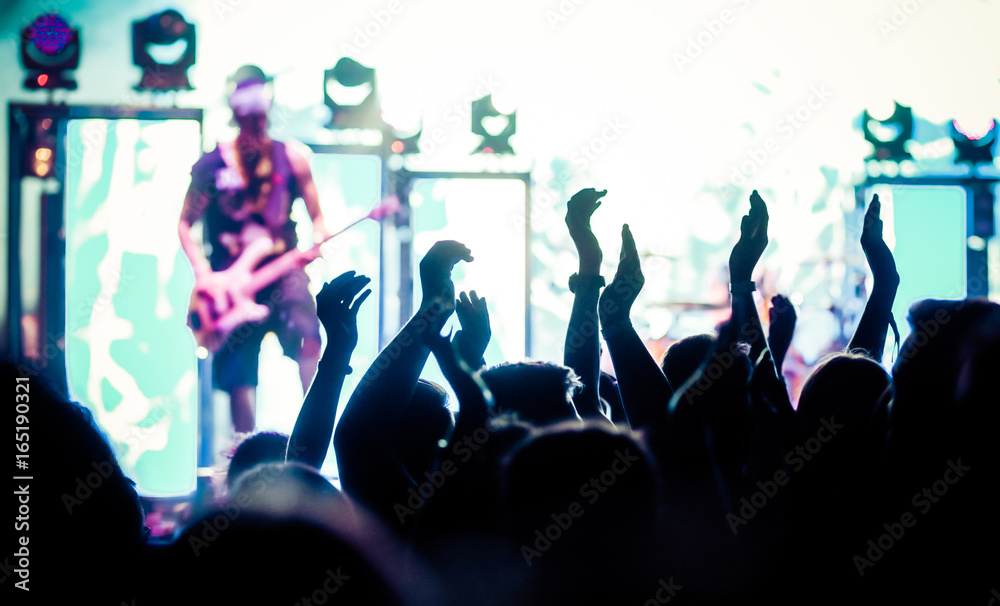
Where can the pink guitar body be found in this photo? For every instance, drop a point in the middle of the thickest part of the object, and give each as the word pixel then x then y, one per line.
pixel 223 300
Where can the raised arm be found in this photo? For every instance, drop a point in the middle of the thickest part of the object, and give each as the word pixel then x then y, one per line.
pixel 310 439
pixel 767 384
pixel 781 326
pixel 874 324
pixel 474 398
pixel 644 389
pixel 742 261
pixel 582 351
pixel 364 455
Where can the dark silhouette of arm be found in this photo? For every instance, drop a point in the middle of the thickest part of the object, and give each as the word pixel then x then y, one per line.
pixel 746 253
pixel 310 439
pixel 369 470
pixel 873 327
pixel 781 319
pixel 644 389
pixel 582 351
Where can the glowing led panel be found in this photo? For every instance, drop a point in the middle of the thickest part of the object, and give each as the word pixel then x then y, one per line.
pixel 130 357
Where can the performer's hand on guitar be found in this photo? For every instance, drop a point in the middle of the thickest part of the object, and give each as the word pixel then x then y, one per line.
pixel 213 287
pixel 338 314
pixel 435 280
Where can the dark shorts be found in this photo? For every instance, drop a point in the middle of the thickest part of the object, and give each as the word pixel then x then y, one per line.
pixel 292 319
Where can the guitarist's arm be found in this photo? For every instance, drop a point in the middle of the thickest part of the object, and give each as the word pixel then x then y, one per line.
pixel 194 206
pixel 307 189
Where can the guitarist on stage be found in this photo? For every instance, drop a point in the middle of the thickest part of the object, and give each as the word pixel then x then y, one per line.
pixel 244 190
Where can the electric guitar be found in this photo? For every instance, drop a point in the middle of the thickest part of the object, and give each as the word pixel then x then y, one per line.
pixel 224 300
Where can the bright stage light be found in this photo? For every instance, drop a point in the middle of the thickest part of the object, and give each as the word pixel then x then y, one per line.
pixel 889 134
pixel 495 128
pixel 351 92
pixel 42 164
pixel 49 48
pixel 405 123
pixel 975 142
pixel 40 149
pixel 881 109
pixel 153 38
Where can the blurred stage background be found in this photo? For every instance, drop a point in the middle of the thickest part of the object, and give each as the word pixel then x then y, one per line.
pixel 678 109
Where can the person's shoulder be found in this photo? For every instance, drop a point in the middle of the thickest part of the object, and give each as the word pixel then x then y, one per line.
pixel 210 160
pixel 298 154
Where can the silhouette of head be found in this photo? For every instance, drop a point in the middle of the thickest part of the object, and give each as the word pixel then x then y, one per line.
pixel 930 360
pixel 538 392
pixel 425 421
pixel 684 357
pixel 280 488
pixel 86 511
pixel 261 447
pixel 590 491
pixel 846 385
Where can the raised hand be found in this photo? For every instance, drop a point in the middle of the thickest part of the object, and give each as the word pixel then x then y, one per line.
pixel 876 251
pixel 337 306
pixel 617 299
pixel 475 334
pixel 579 209
pixel 435 274
pixel 337 309
pixel 752 242
pixel 873 326
pixel 782 319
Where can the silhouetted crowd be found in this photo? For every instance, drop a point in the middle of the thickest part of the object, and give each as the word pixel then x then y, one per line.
pixel 686 480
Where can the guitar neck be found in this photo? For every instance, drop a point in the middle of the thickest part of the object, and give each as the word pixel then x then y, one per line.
pixel 270 272
pixel 264 276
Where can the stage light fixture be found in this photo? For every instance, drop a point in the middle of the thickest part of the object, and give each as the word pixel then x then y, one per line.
pixel 351 92
pixel 494 127
pixel 974 143
pixel 405 125
pixel 49 48
pixel 889 135
pixel 163 45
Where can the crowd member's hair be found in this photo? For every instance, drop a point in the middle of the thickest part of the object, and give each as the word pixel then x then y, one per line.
pixel 538 392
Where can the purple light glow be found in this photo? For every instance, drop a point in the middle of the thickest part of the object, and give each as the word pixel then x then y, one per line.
pixel 50 34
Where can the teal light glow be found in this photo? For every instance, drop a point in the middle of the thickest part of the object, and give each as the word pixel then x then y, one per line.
pixel 130 357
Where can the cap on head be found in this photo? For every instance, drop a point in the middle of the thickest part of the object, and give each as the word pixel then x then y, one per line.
pixel 252 94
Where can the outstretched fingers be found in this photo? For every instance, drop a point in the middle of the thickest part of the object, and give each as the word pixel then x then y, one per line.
pixel 361 299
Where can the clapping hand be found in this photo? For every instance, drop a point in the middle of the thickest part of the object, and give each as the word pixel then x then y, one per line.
pixel 435 280
pixel 782 320
pixel 617 299
pixel 876 251
pixel 475 334
pixel 579 209
pixel 752 242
